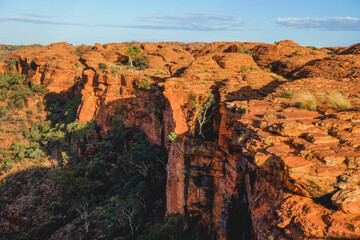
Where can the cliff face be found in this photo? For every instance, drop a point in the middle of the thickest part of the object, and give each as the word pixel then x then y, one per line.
pixel 264 168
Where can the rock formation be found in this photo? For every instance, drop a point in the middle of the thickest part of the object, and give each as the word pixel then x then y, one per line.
pixel 265 168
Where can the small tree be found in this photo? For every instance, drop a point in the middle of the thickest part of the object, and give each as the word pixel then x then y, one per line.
pixel 202 112
pixel 132 53
pixel 83 210
pixel 129 214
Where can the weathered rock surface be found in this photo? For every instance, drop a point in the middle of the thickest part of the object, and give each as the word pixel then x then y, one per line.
pixel 265 169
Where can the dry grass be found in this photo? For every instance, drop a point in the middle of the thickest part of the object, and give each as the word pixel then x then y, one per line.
pixel 306 100
pixel 286 94
pixel 338 101
pixel 270 116
pixel 277 77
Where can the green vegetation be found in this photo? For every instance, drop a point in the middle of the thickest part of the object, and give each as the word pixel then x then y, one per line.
pixel 306 100
pixel 204 112
pixel 338 101
pixel 244 68
pixel 16 94
pixel 132 53
pixel 12 63
pixel 102 66
pixel 79 53
pixel 312 48
pixel 145 83
pixel 248 51
pixel 78 65
pixel 113 185
pixel 172 137
pixel 296 53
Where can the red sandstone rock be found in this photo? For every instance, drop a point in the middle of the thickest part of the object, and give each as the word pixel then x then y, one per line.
pixel 296 157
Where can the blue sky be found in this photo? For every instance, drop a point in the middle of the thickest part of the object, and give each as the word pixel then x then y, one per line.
pixel 307 22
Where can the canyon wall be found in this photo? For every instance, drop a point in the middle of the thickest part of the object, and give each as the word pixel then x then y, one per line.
pixel 264 168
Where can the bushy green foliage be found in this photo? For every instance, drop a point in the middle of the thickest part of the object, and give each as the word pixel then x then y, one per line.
pixel 132 53
pixel 102 66
pixel 248 51
pixel 244 68
pixel 12 63
pixel 172 136
pixel 19 91
pixel 144 84
pixel 3 111
pixel 16 93
pixel 296 53
pixel 312 48
pixel 20 118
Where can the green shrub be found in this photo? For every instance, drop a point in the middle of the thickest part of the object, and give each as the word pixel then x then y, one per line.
pixel 37 153
pixel 172 136
pixel 244 68
pixel 20 118
pixel 296 53
pixel 12 63
pixel 29 112
pixel 102 66
pixel 241 50
pixel 3 111
pixel 79 53
pixel 144 84
pixel 312 48
pixel 19 104
pixel 78 65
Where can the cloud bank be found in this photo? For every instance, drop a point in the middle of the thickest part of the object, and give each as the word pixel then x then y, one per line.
pixel 185 22
pixel 328 24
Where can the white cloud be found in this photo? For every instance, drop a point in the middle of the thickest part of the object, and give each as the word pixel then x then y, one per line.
pixel 329 23
pixel 186 22
pixel 197 22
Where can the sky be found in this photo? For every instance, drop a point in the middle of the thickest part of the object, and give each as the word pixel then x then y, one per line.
pixel 317 23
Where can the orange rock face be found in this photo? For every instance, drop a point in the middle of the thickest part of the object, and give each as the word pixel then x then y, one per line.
pixel 265 168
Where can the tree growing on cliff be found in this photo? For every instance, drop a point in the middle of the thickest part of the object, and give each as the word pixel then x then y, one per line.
pixel 132 52
pixel 203 114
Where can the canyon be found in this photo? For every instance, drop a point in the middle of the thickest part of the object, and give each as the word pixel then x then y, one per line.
pixel 264 168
